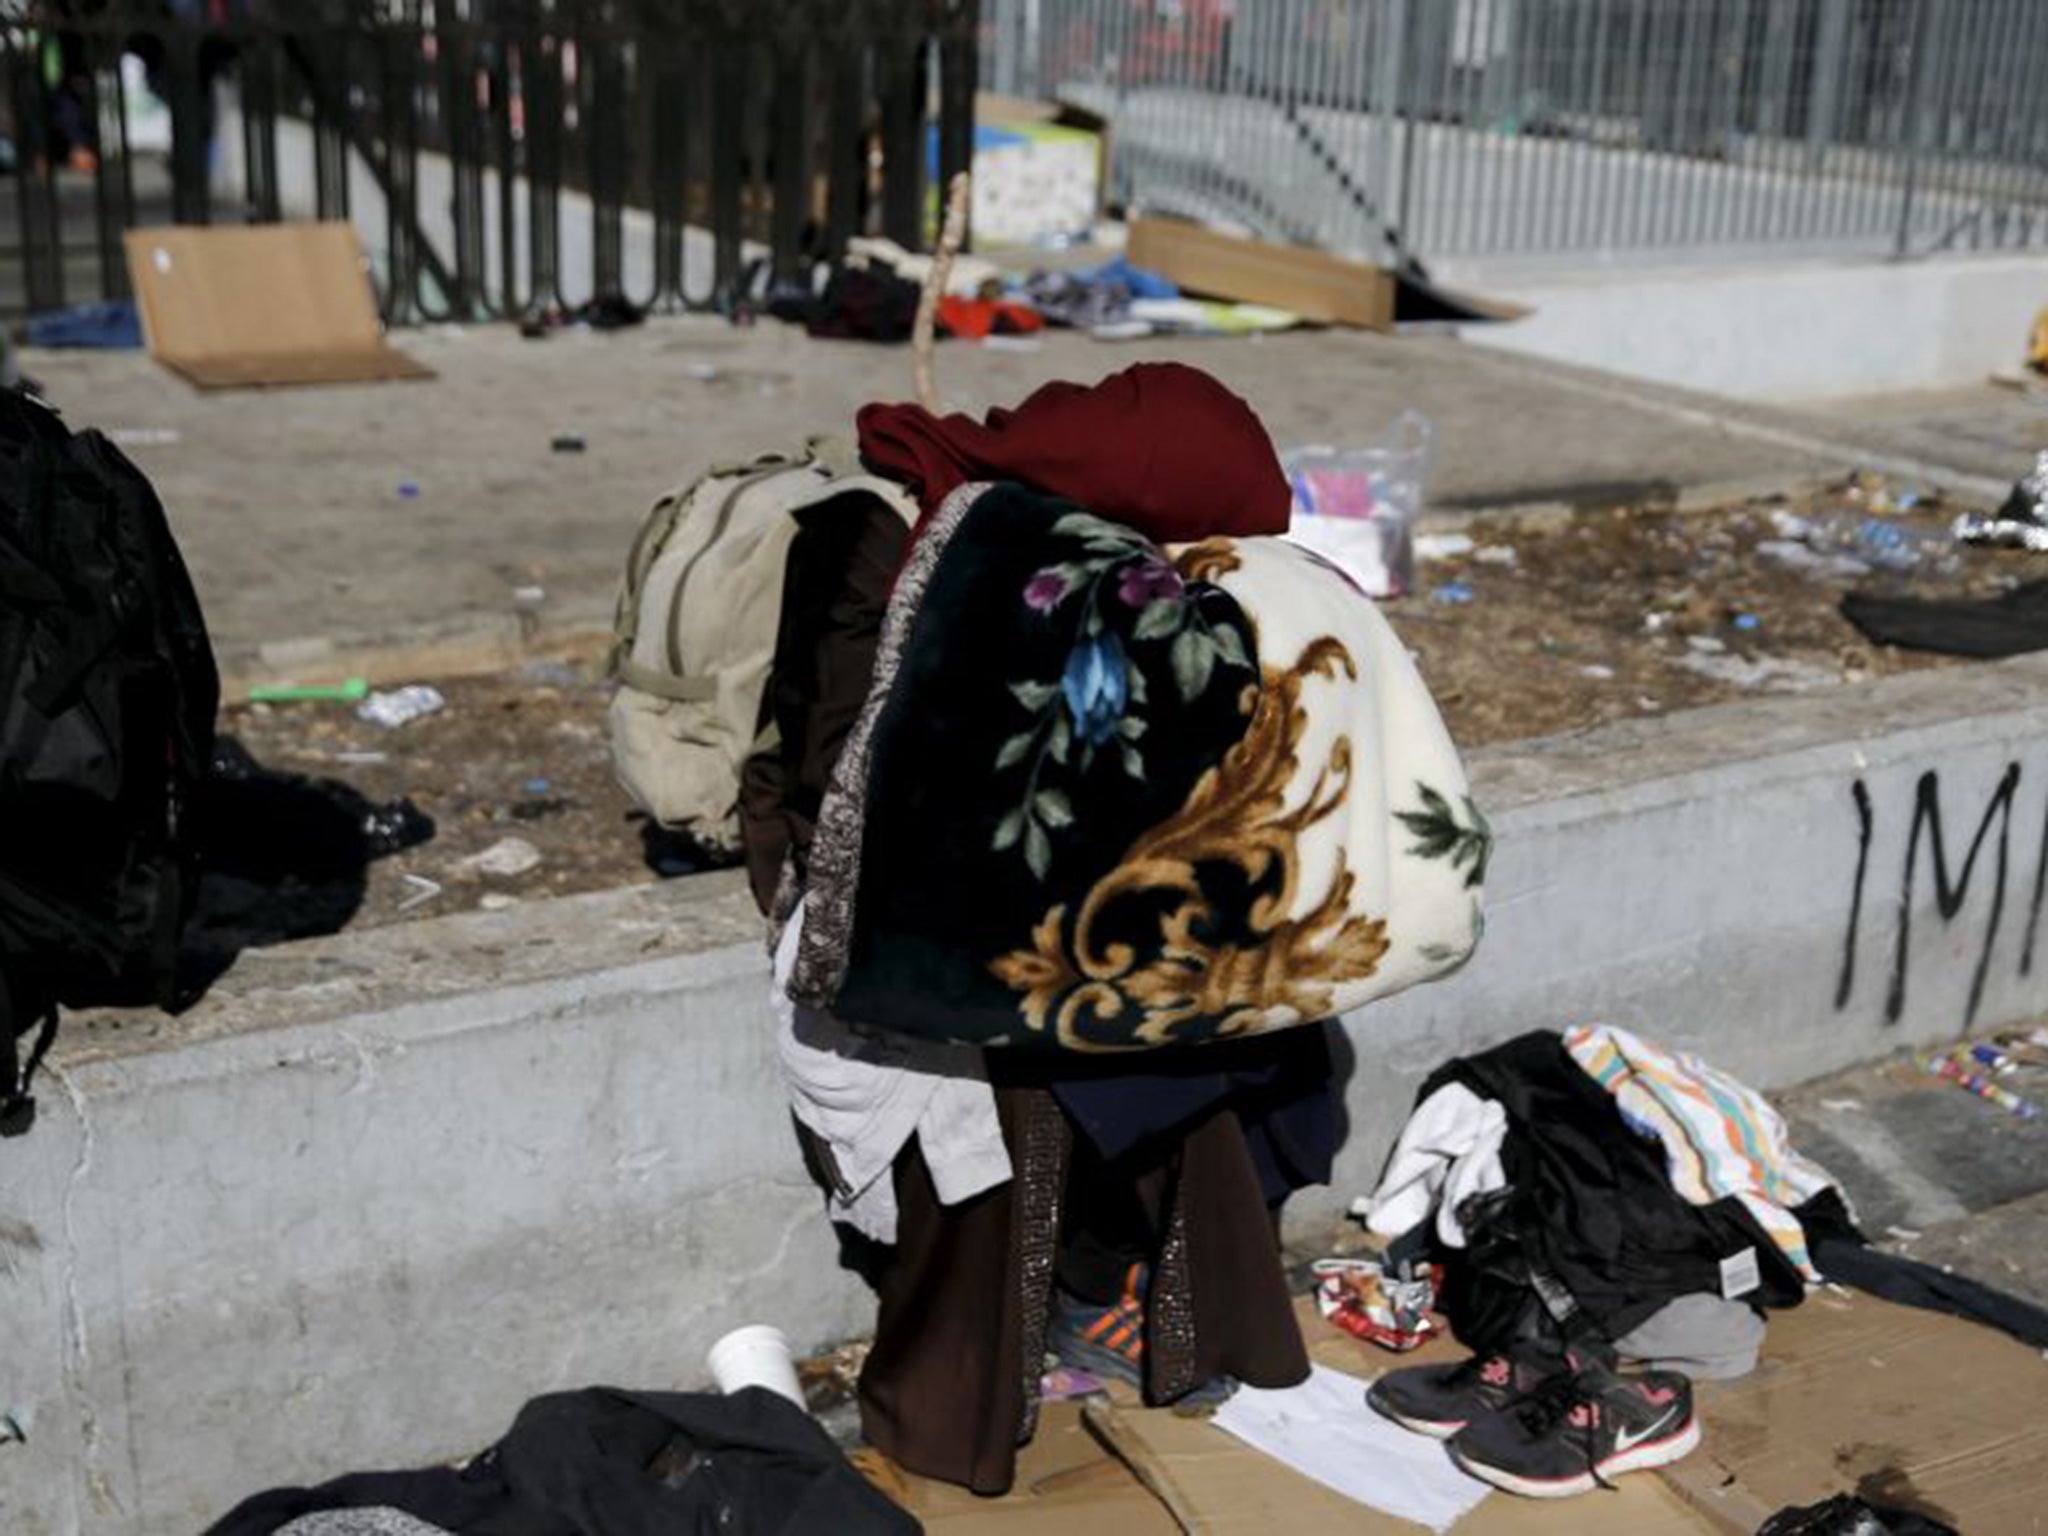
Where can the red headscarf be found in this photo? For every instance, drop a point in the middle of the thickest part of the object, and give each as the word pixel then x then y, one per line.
pixel 1161 447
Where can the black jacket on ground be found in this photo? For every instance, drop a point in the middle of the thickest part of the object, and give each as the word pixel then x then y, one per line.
pixel 602 1462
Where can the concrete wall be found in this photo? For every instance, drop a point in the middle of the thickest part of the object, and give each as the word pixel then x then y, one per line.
pixel 380 1189
pixel 1790 331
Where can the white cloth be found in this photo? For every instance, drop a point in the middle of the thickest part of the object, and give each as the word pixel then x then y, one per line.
pixel 1324 1430
pixel 865 1096
pixel 1449 1150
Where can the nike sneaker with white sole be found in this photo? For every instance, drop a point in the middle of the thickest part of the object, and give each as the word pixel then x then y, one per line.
pixel 1440 1400
pixel 1581 1430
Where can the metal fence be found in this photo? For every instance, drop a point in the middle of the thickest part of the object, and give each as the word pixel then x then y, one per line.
pixel 1562 127
pixel 496 155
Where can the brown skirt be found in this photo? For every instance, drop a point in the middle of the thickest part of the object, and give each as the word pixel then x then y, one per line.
pixel 951 1389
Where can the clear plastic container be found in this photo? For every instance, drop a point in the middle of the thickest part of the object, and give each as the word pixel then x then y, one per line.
pixel 1358 506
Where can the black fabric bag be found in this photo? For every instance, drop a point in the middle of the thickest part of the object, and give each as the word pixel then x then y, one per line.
pixel 602 1462
pixel 107 699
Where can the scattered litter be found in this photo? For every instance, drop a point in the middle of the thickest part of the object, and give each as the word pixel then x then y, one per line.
pixel 1595 670
pixel 362 759
pixel 408 490
pixel 1121 330
pixel 497 901
pixel 702 372
pixel 1747 621
pixel 1790 552
pixel 1706 645
pixel 1841 1105
pixel 1451 592
pixel 993 343
pixel 553 674
pixel 400 706
pixel 1362 1299
pixel 423 891
pixel 1777 673
pixel 529 597
pixel 1656 623
pixel 537 785
pixel 2021 522
pixel 1442 546
pixel 1998 1061
pixel 1497 554
pixel 507 857
pixel 113 325
pixel 540 809
pixel 1358 506
pixel 568 442
pixel 1886 545
pixel 395 826
pixel 1063 1382
pixel 1647 704
pixel 349 691
pixel 1979 1084
pixel 1903 1234
pixel 144 437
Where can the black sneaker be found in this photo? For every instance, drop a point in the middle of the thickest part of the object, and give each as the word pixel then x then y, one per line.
pixel 1581 1430
pixel 1440 1400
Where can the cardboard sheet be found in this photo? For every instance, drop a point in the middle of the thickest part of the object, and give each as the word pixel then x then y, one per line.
pixel 243 306
pixel 1311 284
pixel 1907 1408
pixel 1853 1395
pixel 1067 1485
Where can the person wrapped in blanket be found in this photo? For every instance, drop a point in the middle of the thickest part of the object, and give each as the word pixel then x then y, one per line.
pixel 1055 814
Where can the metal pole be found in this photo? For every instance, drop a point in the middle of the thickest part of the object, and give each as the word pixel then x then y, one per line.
pixel 1917 78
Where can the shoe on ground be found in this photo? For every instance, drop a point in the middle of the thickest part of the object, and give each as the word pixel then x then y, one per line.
pixel 1440 1400
pixel 1581 1430
pixel 1109 1342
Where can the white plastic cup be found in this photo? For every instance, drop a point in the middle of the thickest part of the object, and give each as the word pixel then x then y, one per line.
pixel 756 1356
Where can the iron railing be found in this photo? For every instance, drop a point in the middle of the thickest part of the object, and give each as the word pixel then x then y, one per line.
pixel 1526 128
pixel 495 155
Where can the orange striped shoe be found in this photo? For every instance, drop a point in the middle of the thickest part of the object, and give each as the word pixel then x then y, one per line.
pixel 1107 1342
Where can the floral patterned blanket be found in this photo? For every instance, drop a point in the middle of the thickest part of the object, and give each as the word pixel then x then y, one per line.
pixel 1107 798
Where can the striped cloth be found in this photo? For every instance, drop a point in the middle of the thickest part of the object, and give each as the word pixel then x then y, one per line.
pixel 1720 1138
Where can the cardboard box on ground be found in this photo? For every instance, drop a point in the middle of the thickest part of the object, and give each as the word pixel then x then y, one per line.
pixel 1852 1395
pixel 1039 170
pixel 260 305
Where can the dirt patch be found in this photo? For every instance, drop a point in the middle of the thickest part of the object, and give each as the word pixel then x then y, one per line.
pixel 1598 616
pixel 521 755
pixel 1608 615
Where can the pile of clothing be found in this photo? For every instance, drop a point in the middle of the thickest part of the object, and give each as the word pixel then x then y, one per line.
pixel 871 294
pixel 1592 1201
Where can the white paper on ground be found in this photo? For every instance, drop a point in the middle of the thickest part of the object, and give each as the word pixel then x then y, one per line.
pixel 1324 1430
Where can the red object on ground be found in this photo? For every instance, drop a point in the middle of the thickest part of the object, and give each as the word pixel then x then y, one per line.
pixel 973 319
pixel 1161 447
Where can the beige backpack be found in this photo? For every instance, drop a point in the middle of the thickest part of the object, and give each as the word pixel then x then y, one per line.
pixel 696 629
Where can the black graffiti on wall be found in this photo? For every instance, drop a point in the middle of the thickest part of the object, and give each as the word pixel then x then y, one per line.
pixel 1951 885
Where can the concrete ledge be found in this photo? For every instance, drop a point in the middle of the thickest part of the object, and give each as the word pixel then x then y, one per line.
pixel 379 1189
pixel 1786 331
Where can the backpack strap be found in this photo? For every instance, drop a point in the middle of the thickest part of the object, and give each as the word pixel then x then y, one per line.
pixel 692 688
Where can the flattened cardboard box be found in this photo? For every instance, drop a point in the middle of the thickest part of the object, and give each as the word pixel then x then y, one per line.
pixel 1853 1395
pixel 267 304
pixel 1311 284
